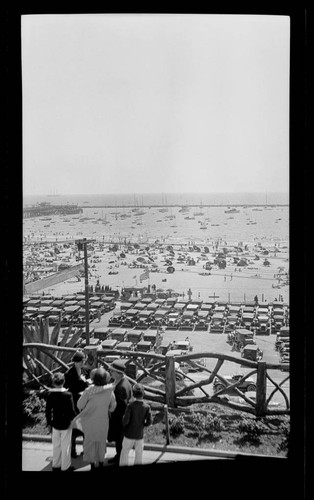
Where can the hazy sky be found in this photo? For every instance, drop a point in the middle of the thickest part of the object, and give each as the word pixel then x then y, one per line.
pixel 155 103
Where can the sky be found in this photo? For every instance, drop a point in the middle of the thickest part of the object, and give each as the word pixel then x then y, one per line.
pixel 149 103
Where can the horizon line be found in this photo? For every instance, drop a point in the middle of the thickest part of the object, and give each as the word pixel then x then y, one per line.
pixel 156 193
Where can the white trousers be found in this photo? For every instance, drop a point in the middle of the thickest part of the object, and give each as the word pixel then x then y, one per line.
pixel 61 448
pixel 127 445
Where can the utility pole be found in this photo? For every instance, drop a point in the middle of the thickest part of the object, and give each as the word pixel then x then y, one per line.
pixel 82 245
pixel 86 292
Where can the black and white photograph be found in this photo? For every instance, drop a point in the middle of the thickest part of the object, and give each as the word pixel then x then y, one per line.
pixel 156 190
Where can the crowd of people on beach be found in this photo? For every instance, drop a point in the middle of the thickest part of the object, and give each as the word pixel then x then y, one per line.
pixel 103 408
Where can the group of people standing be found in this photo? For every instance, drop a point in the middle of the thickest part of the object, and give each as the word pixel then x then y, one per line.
pixel 104 408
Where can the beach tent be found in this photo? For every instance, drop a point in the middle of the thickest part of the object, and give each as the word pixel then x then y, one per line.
pixel 242 262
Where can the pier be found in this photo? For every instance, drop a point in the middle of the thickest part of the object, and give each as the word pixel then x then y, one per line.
pixel 45 209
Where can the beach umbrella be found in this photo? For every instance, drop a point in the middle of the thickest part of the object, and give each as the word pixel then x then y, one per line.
pixel 170 269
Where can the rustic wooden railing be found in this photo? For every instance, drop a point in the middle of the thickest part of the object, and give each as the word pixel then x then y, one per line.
pixel 172 393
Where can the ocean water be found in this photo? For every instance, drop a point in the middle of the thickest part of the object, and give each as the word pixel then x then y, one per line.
pixel 198 224
pixel 162 199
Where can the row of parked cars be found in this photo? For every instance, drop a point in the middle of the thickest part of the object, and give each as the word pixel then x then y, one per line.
pixel 282 345
pixel 69 308
pixel 178 314
pixel 121 339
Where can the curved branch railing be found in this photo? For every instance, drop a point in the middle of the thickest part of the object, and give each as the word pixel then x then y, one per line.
pixel 162 369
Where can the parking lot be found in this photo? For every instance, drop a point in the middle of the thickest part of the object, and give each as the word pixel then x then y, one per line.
pixel 205 342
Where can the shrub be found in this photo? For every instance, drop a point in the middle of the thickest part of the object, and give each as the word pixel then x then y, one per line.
pixel 284 445
pixel 252 429
pixel 206 425
pixel 177 426
pixel 213 424
pixel 33 408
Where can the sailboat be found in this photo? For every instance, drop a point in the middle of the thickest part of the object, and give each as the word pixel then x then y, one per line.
pixel 165 208
pixel 201 211
pixel 171 215
pixel 53 194
pixel 266 206
pixel 104 220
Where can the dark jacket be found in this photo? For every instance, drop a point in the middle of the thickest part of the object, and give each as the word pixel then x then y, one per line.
pixel 60 409
pixel 123 393
pixel 137 416
pixel 74 384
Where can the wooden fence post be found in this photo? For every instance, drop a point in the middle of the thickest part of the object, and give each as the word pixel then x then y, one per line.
pixel 170 380
pixel 261 388
pixel 167 424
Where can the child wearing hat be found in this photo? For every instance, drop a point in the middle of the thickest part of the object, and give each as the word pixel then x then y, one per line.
pixel 60 412
pixel 137 416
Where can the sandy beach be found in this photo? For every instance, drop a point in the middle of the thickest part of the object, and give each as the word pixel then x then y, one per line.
pixel 144 237
pixel 234 283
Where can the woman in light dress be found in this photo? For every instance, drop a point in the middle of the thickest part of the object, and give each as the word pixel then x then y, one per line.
pixel 95 404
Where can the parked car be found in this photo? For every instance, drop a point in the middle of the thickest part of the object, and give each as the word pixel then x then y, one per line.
pixel 244 386
pixel 109 344
pixel 182 345
pixel 252 352
pixel 282 336
pixel 218 322
pixel 131 318
pixel 195 365
pixel 164 347
pixel 109 303
pixel 116 319
pixel 125 346
pixel 263 326
pixel 248 320
pixel 144 320
pixel 150 337
pixel 241 337
pixel 119 334
pixel 144 346
pixel 134 337
pixel 202 321
pixel 173 321
pixel 102 333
